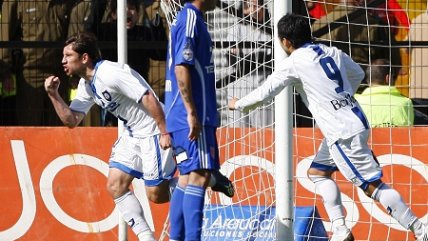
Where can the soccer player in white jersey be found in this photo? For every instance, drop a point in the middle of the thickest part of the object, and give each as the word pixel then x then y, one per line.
pixel 192 118
pixel 327 79
pixel 142 150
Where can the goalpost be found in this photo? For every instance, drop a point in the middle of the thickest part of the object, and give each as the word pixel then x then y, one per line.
pixel 122 57
pixel 283 142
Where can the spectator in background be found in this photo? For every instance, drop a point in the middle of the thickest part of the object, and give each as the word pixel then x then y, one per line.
pixel 138 59
pixel 256 10
pixel 382 102
pixel 245 64
pixel 45 21
pixel 82 16
pixel 391 13
pixel 85 16
pixel 352 22
pixel 157 68
pixel 419 69
pixel 7 95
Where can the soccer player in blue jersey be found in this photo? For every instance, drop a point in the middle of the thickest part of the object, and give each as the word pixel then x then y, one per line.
pixel 327 79
pixel 192 118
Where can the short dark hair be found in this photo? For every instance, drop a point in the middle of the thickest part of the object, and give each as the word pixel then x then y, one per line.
pixel 85 42
pixel 113 4
pixel 378 70
pixel 296 29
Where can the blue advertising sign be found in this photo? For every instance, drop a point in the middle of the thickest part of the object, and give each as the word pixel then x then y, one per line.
pixel 257 223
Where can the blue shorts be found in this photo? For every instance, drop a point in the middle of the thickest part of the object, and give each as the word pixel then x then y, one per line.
pixel 201 153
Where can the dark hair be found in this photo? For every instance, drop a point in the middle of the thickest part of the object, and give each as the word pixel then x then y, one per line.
pixel 113 4
pixel 85 42
pixel 296 29
pixel 378 70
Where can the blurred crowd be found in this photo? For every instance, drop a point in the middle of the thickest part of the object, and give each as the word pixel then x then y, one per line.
pixel 376 34
pixel 33 33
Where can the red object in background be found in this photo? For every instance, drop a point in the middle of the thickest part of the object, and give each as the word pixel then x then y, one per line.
pixel 317 11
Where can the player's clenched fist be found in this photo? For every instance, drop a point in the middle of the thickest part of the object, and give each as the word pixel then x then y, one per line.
pixel 52 84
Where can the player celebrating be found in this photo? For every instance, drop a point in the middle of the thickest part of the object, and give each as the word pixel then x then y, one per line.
pixel 327 78
pixel 142 150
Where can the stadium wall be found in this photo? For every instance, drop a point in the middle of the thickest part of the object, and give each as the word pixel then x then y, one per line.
pixel 53 181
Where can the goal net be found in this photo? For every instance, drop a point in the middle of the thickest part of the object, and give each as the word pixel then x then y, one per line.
pixel 243 35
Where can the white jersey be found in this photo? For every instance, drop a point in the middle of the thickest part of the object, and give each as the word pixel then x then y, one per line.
pixel 326 78
pixel 118 89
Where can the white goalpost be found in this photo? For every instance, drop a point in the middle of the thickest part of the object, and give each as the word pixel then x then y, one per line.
pixel 283 143
pixel 122 57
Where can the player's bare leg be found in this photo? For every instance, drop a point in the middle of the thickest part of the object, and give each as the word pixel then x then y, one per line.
pixel 160 193
pixel 127 203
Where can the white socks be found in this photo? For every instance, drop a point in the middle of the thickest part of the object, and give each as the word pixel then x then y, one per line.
pixel 330 193
pixel 391 200
pixel 418 229
pixel 146 237
pixel 132 212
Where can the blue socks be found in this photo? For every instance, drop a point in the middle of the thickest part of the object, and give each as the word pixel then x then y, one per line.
pixel 176 216
pixel 186 210
pixel 193 204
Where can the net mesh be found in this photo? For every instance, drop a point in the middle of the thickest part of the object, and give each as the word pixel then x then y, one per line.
pixel 367 30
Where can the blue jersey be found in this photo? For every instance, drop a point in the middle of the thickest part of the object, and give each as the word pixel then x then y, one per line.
pixel 190 44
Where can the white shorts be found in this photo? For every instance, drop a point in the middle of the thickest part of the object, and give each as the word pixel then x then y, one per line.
pixel 352 157
pixel 143 158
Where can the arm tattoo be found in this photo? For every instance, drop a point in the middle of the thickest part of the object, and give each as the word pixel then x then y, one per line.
pixel 185 93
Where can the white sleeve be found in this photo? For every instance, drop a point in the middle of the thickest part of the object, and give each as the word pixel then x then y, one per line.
pixel 354 72
pixel 132 85
pixel 83 101
pixel 276 82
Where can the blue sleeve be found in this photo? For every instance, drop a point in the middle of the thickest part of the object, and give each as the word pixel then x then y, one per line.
pixel 185 41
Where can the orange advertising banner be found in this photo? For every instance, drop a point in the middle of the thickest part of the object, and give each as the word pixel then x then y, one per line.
pixel 53 181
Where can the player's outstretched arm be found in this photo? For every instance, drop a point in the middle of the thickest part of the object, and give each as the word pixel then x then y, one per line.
pixel 68 117
pixel 274 84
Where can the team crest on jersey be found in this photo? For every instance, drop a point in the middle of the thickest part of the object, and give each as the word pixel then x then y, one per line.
pixel 188 52
pixel 107 95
